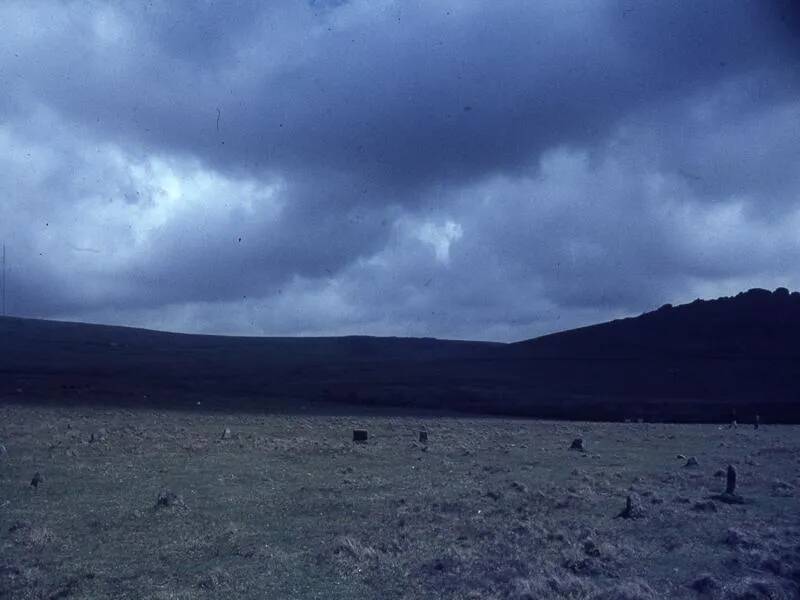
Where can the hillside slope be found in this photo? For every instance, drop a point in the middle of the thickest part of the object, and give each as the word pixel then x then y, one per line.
pixel 753 324
pixel 708 360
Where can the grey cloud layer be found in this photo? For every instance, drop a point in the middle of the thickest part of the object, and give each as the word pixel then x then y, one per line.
pixel 454 168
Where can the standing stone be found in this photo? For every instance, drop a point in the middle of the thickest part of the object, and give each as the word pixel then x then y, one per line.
pixel 423 437
pixel 730 496
pixel 758 422
pixel 731 485
pixel 360 436
pixel 633 509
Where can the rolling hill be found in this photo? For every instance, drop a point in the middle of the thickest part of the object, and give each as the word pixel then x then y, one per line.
pixel 708 360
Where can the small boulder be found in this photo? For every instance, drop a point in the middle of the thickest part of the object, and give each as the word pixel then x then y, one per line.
pixel 705 584
pixel 98 436
pixel 37 480
pixel 591 549
pixel 577 444
pixel 782 489
pixel 738 538
pixel 705 506
pixel 519 487
pixel 168 499
pixel 691 462
pixel 226 434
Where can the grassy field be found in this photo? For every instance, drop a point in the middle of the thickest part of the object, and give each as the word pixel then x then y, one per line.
pixel 287 506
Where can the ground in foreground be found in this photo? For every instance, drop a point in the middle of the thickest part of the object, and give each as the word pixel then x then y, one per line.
pixel 157 504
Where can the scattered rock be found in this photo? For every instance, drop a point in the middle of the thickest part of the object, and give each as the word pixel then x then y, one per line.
pixel 719 473
pixel 226 434
pixel 167 499
pixel 705 506
pixel 577 444
pixel 681 457
pixel 37 480
pixel 738 539
pixel 691 462
pixel 705 584
pixel 519 487
pixel 65 589
pixel 19 527
pixel 3 450
pixel 780 489
pixel 633 509
pixel 591 549
pixel 99 436
pixel 583 567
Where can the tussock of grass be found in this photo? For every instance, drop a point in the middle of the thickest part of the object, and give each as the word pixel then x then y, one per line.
pixel 759 588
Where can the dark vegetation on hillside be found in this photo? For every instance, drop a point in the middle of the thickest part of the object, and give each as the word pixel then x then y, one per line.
pixel 709 360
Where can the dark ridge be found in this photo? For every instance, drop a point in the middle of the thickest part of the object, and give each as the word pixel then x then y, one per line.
pixel 704 361
pixel 756 324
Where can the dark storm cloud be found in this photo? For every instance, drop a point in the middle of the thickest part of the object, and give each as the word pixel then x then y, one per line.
pixel 452 168
pixel 365 87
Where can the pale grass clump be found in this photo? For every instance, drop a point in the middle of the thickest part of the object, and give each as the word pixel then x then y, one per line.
pixel 39 537
pixel 755 588
pixel 351 547
pixel 553 583
pixel 634 589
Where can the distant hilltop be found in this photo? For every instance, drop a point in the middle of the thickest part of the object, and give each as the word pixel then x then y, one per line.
pixel 755 324
pixel 709 360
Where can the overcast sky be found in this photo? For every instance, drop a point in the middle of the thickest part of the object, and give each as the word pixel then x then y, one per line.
pixel 487 170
